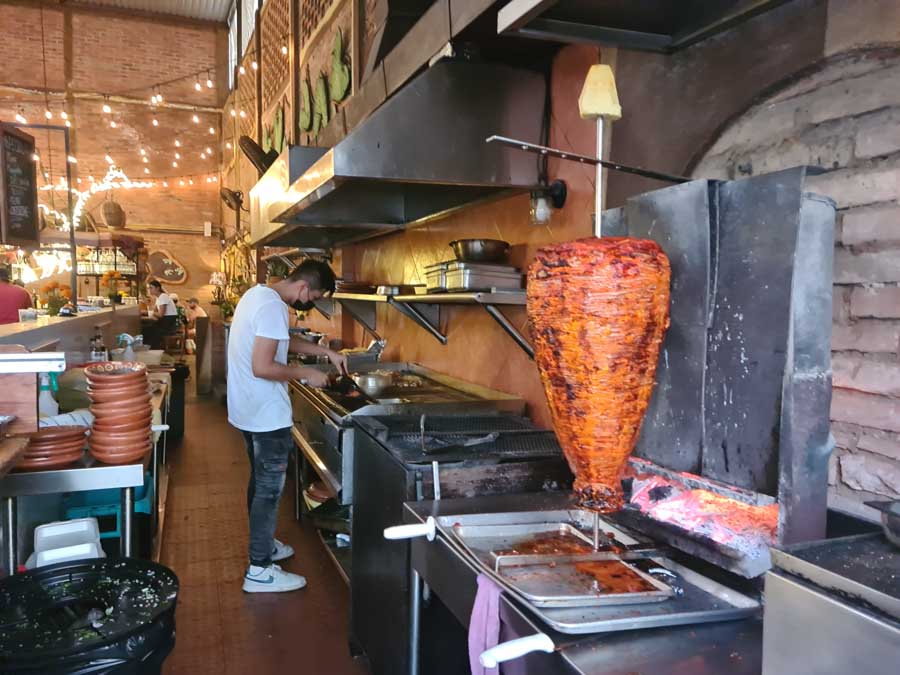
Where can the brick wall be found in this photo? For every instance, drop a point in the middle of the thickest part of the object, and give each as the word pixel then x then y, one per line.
pixel 92 53
pixel 845 117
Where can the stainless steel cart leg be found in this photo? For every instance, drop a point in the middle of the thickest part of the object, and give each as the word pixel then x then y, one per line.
pixel 125 540
pixel 10 535
pixel 298 487
pixel 415 616
pixel 154 503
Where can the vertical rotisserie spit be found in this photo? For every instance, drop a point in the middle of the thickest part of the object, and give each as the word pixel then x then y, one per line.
pixel 599 309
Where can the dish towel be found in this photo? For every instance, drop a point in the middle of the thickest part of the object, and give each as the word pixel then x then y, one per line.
pixel 484 624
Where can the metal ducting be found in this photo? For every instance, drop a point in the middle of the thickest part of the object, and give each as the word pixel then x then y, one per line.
pixel 420 155
pixel 650 25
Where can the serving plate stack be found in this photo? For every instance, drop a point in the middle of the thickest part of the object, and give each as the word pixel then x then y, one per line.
pixel 122 411
pixel 53 448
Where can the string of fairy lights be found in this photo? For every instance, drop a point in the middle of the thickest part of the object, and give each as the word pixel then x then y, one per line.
pixel 203 80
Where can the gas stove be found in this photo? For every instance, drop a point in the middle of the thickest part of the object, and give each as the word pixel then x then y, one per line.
pixel 325 419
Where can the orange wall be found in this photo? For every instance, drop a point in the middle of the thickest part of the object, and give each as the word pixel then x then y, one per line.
pixel 478 350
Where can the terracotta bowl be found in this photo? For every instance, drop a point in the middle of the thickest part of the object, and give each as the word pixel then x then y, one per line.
pixel 120 396
pixel 53 442
pixel 58 448
pixel 125 387
pixel 127 438
pixel 115 371
pixel 126 457
pixel 134 409
pixel 54 433
pixel 54 462
pixel 118 425
pixel 112 441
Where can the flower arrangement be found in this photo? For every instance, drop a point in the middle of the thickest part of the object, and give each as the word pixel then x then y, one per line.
pixel 55 296
pixel 110 281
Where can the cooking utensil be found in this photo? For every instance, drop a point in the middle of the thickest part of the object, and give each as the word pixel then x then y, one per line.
pixel 890 518
pixel 372 384
pixel 480 250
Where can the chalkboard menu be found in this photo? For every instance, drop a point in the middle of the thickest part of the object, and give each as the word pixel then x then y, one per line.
pixel 18 188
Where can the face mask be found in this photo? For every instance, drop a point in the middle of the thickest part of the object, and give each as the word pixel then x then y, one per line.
pixel 303 306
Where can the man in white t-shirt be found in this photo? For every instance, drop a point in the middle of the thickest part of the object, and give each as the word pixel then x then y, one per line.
pixel 258 405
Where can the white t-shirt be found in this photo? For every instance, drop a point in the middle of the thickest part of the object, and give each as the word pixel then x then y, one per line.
pixel 255 404
pixel 164 299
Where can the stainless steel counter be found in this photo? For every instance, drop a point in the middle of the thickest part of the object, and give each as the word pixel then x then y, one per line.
pixel 733 647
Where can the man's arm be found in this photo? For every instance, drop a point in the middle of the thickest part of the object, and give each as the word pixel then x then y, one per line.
pixel 267 368
pixel 300 346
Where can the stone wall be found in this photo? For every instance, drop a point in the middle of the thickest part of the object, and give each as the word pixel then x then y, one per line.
pixel 845 117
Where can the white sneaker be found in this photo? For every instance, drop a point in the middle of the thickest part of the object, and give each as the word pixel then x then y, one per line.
pixel 281 551
pixel 271 579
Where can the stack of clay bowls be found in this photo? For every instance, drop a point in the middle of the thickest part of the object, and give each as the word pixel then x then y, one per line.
pixel 53 448
pixel 122 411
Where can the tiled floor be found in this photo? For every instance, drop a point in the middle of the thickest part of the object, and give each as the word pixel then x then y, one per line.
pixel 220 629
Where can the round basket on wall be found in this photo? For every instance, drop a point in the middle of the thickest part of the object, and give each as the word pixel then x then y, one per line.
pixel 113 214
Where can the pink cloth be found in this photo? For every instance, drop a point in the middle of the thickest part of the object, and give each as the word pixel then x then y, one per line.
pixel 484 624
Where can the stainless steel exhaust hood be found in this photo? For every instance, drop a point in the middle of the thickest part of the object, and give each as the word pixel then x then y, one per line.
pixel 420 155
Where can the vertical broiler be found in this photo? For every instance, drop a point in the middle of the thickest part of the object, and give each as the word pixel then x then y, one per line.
pixel 732 451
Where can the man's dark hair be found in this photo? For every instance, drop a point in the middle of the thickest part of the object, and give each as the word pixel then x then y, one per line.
pixel 4 273
pixel 155 284
pixel 317 275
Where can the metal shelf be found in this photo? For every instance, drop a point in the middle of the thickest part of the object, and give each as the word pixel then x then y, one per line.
pixel 424 310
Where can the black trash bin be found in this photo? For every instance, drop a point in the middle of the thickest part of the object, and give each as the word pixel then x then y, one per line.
pixel 90 616
pixel 176 404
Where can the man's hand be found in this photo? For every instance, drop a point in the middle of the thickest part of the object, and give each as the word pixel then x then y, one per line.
pixel 312 377
pixel 339 361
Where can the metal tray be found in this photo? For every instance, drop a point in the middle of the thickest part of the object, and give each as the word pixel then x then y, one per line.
pixel 550 579
pixel 695 599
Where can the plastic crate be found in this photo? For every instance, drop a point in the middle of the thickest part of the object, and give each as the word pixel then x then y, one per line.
pixel 101 504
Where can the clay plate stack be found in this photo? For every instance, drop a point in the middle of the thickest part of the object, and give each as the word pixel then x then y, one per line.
pixel 53 448
pixel 122 411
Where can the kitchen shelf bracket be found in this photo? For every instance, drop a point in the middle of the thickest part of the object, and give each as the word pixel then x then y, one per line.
pixel 364 313
pixel 426 316
pixel 510 330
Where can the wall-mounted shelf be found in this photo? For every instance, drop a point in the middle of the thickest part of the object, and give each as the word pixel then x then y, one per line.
pixel 424 310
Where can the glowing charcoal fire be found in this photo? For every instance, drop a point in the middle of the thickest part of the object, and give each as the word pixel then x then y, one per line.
pixel 726 521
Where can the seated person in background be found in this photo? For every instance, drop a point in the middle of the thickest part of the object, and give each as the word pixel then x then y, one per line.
pixel 164 311
pixel 12 298
pixel 193 312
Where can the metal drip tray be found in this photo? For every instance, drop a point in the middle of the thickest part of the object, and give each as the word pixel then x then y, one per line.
pixel 681 596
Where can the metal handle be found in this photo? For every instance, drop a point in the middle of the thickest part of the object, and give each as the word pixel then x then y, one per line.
pixel 514 649
pixel 426 529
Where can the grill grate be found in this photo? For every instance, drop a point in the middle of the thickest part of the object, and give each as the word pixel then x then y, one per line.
pixel 455 424
pixel 531 444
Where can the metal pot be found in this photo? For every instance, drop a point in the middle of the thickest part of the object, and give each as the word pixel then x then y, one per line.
pixel 890 519
pixel 480 250
pixel 373 383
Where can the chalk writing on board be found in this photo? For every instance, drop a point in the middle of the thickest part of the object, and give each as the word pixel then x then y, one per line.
pixel 19 207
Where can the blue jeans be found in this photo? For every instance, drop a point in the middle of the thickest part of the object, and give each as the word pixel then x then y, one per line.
pixel 268 452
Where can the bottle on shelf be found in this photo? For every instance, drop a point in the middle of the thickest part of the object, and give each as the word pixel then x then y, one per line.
pixel 98 347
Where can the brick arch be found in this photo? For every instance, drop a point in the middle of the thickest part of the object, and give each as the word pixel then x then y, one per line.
pixel 844 115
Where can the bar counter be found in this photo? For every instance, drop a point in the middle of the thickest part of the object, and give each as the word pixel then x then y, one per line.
pixel 71 334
